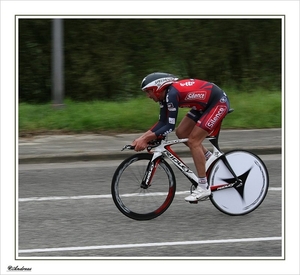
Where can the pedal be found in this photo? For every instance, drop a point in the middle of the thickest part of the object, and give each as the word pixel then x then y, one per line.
pixel 205 199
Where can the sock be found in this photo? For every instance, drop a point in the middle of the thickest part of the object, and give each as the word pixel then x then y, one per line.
pixel 207 154
pixel 202 182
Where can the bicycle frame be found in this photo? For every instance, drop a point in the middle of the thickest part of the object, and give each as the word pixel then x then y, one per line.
pixel 164 149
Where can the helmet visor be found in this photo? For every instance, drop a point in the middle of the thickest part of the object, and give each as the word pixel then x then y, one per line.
pixel 147 90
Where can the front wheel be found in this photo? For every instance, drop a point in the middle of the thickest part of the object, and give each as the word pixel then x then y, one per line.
pixel 137 200
pixel 246 195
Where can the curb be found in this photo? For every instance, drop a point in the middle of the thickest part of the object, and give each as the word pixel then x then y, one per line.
pixel 121 156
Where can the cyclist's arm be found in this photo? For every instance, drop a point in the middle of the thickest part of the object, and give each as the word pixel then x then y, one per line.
pixel 148 136
pixel 165 125
pixel 162 121
pixel 168 115
pixel 142 142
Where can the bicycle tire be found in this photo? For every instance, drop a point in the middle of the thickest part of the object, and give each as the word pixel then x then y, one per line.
pixel 242 199
pixel 136 202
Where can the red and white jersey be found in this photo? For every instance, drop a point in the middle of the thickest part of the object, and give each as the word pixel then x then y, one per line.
pixel 201 96
pixel 192 93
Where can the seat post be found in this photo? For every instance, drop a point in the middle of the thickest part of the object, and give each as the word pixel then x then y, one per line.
pixel 214 140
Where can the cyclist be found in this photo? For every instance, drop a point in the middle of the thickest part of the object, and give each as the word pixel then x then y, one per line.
pixel 209 105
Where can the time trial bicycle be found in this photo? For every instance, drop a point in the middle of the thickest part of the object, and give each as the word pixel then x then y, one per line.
pixel 144 184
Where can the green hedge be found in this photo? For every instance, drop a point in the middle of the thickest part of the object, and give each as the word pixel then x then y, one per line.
pixel 108 58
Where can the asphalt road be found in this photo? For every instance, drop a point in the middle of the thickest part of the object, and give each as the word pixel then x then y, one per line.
pixel 65 210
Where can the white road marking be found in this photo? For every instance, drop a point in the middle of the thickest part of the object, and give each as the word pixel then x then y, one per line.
pixel 64 198
pixel 105 196
pixel 76 248
pixel 92 197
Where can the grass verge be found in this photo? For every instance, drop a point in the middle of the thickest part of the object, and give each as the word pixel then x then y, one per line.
pixel 261 109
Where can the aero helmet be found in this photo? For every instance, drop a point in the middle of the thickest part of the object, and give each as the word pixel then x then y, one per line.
pixel 157 82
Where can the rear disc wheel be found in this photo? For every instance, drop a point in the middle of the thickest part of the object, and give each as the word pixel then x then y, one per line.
pixel 242 198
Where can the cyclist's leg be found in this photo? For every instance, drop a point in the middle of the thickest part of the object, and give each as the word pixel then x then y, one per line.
pixel 185 127
pixel 195 144
pixel 187 124
pixel 196 138
pixel 210 119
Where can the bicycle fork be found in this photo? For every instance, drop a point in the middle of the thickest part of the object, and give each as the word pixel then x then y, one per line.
pixel 149 173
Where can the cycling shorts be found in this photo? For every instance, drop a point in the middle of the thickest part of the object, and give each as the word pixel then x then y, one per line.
pixel 215 111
